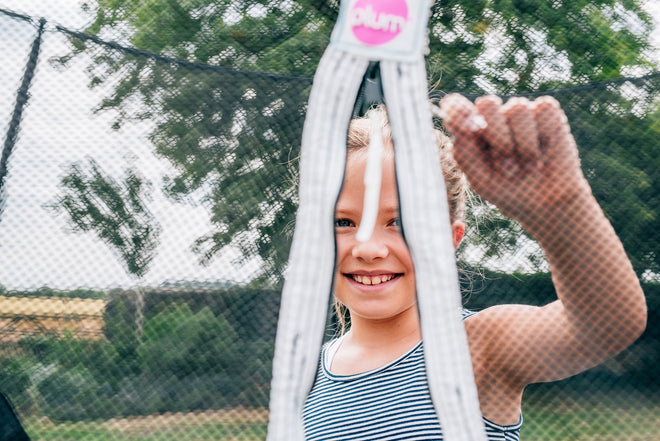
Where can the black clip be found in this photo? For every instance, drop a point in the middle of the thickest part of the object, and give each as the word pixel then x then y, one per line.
pixel 371 91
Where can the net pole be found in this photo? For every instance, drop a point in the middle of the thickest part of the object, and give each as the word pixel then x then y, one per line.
pixel 22 97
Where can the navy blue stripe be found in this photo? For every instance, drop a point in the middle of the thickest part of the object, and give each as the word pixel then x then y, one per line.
pixel 391 403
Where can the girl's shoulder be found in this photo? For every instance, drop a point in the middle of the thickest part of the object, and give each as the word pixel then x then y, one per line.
pixel 330 349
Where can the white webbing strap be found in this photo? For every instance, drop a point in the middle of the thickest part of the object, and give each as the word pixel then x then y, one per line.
pixel 424 214
pixel 305 297
pixel 372 180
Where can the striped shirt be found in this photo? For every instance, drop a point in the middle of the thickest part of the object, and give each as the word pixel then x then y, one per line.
pixel 388 403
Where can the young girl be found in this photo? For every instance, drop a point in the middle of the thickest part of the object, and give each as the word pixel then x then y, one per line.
pixel 521 157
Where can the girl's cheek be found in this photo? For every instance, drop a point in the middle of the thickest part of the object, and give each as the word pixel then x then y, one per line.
pixel 343 246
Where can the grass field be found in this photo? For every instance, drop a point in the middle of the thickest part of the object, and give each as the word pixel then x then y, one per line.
pixel 545 420
pixel 572 421
pixel 224 425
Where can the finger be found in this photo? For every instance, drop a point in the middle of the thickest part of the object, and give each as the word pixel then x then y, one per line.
pixel 465 125
pixel 460 114
pixel 461 118
pixel 497 135
pixel 521 122
pixel 554 133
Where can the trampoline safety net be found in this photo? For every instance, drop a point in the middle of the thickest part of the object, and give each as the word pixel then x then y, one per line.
pixel 149 188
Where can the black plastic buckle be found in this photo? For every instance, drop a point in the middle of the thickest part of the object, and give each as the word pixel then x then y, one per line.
pixel 371 91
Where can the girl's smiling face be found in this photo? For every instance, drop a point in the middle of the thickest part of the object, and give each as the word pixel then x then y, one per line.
pixel 375 279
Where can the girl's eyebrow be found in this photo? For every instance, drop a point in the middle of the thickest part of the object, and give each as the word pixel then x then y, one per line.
pixel 345 212
pixel 388 208
pixel 392 208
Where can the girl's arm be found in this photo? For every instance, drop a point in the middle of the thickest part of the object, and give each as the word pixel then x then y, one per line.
pixel 525 161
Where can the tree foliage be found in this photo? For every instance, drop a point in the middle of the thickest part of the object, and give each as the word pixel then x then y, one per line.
pixel 229 106
pixel 116 212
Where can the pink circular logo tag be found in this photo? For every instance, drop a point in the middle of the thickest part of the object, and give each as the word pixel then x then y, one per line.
pixel 376 22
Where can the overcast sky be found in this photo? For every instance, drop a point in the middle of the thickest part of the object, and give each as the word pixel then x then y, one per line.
pixel 38 248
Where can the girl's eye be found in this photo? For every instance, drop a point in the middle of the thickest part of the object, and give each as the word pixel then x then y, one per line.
pixel 396 222
pixel 343 223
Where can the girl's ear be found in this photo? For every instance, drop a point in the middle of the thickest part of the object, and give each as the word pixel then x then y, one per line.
pixel 457 232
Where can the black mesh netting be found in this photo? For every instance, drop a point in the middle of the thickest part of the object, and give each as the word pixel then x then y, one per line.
pixel 148 188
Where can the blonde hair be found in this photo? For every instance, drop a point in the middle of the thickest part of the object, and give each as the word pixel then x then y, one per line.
pixel 457 188
pixel 456 184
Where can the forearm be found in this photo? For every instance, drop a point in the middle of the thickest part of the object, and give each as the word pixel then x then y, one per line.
pixel 592 274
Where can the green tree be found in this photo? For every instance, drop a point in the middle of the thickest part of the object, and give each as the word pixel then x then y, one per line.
pixel 619 148
pixel 229 101
pixel 514 47
pixel 117 213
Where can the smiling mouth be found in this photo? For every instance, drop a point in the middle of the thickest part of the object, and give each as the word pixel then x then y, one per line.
pixel 372 280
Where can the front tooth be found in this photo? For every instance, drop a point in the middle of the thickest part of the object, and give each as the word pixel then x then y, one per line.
pixel 375 280
pixel 366 280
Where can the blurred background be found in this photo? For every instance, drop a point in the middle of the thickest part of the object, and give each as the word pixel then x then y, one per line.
pixel 148 196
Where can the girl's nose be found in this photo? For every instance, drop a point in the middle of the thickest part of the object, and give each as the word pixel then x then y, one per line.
pixel 373 249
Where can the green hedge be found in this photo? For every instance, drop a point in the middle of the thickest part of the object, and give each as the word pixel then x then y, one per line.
pixel 208 349
pixel 198 350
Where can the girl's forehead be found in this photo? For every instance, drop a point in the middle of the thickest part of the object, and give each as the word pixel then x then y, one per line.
pixel 352 193
pixel 388 151
pixel 356 162
pixel 357 158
